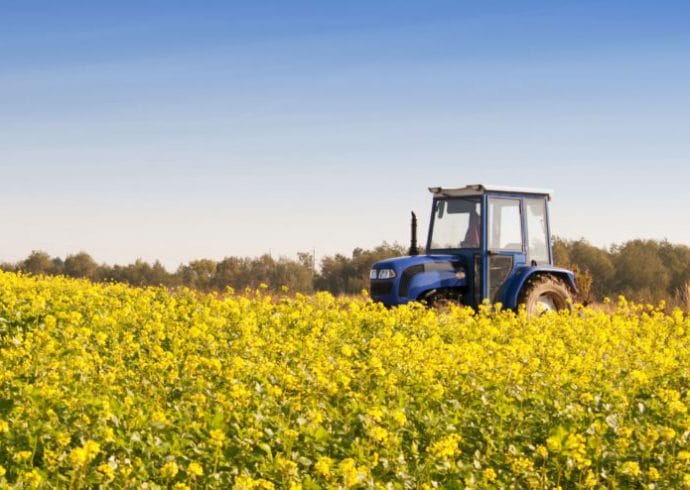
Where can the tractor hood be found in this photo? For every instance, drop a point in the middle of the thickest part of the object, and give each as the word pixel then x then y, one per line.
pixel 403 279
pixel 401 263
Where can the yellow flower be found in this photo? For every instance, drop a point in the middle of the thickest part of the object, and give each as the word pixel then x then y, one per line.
pixel 78 457
pixel 586 398
pixel 375 413
pixel 446 447
pixel 217 437
pixel 91 448
pixel 385 393
pixel 195 469
pixel 291 434
pixel 378 434
pixel 108 434
pixel 126 469
pixel 32 478
pixel 350 472
pixel 22 456
pixel 159 417
pixel 521 465
pixel 82 455
pixel 542 452
pixel 399 417
pixel 591 480
pixel 245 482
pixel 667 433
pixel 106 471
pixel 286 466
pixel 631 468
pixel 489 475
pixel 323 466
pixel 169 470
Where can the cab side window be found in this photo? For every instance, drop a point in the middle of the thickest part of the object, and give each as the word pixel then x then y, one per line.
pixel 537 231
pixel 505 225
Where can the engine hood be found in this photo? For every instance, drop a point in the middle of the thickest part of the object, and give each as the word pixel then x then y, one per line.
pixel 416 275
pixel 398 264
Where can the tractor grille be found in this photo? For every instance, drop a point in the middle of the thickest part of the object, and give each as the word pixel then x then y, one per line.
pixel 381 288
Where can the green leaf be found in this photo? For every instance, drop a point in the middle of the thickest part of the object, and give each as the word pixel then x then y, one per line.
pixel 266 448
pixel 6 405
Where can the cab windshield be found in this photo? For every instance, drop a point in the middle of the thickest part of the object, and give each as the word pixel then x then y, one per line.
pixel 456 223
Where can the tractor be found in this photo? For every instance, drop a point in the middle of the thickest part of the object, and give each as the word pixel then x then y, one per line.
pixel 485 243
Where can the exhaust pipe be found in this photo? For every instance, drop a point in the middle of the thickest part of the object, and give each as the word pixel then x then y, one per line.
pixel 413 238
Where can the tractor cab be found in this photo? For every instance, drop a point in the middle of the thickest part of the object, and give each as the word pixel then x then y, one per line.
pixel 484 243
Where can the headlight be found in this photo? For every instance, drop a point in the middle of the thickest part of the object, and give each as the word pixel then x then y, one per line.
pixel 386 273
pixel 373 274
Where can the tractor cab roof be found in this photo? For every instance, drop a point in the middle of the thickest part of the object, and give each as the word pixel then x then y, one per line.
pixel 480 189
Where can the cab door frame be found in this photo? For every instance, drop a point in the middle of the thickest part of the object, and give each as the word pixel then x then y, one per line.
pixel 498 264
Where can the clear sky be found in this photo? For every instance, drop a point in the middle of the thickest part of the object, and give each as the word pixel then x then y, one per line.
pixel 179 130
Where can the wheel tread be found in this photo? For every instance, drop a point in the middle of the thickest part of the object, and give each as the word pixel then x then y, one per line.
pixel 558 286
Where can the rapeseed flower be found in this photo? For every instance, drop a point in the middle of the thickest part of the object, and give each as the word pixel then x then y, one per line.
pixel 631 468
pixel 78 457
pixel 32 478
pixel 170 470
pixel 323 466
pixel 446 447
pixel 265 392
pixel 195 469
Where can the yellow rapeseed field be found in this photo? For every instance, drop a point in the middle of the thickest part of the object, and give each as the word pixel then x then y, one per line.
pixel 144 388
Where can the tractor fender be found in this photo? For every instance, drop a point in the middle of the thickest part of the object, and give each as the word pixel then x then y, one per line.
pixel 427 281
pixel 418 279
pixel 510 292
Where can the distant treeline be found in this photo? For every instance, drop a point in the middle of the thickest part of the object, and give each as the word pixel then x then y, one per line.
pixel 338 274
pixel 642 270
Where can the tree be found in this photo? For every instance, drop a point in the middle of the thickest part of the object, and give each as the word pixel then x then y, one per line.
pixel 640 272
pixel 593 266
pixel 296 276
pixel 140 273
pixel 198 274
pixel 676 258
pixel 231 272
pixel 343 275
pixel 81 265
pixel 561 252
pixel 39 262
pixel 595 261
pixel 7 267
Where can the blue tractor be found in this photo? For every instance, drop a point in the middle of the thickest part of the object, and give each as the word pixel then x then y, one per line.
pixel 484 243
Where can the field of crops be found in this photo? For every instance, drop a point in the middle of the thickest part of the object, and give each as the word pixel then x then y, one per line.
pixel 132 388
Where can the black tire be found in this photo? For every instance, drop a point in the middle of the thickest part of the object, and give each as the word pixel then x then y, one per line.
pixel 544 293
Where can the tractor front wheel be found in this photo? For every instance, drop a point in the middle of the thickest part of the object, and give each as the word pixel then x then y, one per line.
pixel 545 293
pixel 440 298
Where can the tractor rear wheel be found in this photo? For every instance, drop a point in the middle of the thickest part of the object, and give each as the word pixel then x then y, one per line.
pixel 544 293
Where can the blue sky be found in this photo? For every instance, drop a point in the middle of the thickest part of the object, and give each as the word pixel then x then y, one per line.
pixel 180 130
